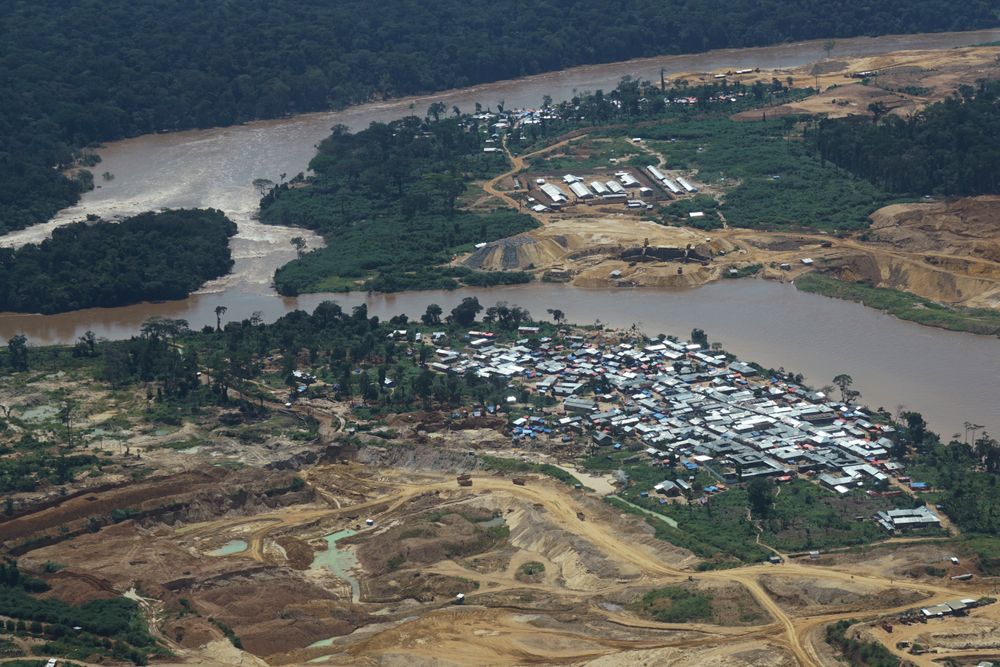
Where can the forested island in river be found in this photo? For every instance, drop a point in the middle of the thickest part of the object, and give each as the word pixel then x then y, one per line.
pixel 429 204
pixel 97 263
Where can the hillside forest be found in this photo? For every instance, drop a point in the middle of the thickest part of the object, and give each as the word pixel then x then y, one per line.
pixel 389 202
pixel 74 74
pixel 949 148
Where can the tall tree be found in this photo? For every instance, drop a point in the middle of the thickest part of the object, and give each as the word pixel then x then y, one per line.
pixel 220 310
pixel 17 353
pixel 843 382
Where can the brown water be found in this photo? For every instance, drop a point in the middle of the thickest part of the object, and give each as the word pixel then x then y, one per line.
pixel 949 377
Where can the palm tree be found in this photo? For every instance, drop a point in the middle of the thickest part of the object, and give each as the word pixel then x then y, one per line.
pixel 219 312
pixel 843 382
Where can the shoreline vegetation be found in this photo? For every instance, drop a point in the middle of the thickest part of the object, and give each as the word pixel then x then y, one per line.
pixel 145 67
pixel 904 305
pixel 396 203
pixel 381 367
pixel 148 257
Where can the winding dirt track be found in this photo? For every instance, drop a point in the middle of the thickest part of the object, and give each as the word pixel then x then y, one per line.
pixel 517 163
pixel 562 508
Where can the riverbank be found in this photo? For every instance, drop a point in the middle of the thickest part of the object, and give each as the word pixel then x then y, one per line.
pixel 904 305
pixel 763 320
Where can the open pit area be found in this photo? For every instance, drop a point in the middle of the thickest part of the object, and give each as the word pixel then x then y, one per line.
pixel 300 576
pixel 280 533
pixel 373 554
pixel 905 81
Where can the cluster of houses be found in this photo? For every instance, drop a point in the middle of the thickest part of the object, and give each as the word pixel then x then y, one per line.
pixel 675 402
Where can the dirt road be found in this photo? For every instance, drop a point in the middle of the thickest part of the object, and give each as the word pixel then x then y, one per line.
pixel 563 508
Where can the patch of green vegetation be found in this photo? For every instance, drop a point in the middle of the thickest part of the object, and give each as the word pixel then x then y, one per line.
pixel 933 571
pixel 904 305
pixel 859 653
pixel 513 465
pixel 395 562
pixel 744 271
pixel 678 212
pixel 227 631
pixel 728 545
pixel 497 533
pixel 386 199
pixel 36 462
pixel 9 649
pixel 112 627
pixel 770 178
pixel 532 569
pixel 590 154
pixel 181 445
pixel 152 256
pixel 986 550
pixel 805 516
pixel 415 532
pixel 674 605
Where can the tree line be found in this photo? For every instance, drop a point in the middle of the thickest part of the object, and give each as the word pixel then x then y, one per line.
pixel 388 201
pixel 97 70
pixel 950 148
pixel 147 257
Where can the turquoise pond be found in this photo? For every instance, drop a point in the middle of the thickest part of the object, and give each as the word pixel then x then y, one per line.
pixel 229 548
pixel 339 562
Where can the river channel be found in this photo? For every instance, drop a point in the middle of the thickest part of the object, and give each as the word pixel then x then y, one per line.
pixel 949 377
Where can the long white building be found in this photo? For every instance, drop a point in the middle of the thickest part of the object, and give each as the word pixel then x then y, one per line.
pixel 655 173
pixel 554 193
pixel 580 190
pixel 687 186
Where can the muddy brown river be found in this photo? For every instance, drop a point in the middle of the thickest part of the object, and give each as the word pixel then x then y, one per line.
pixel 951 378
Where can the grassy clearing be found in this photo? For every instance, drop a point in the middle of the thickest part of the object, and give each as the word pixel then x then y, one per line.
pixel 589 154
pixel 903 305
pixel 674 605
pixel 769 177
pixel 985 548
pixel 531 572
pixel 724 546
pixel 806 516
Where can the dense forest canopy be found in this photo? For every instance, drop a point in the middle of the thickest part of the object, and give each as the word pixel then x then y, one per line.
pixel 949 148
pixel 387 200
pixel 148 257
pixel 96 70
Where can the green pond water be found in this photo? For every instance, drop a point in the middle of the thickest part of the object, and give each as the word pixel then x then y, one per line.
pixel 39 413
pixel 339 562
pixel 229 548
pixel 322 643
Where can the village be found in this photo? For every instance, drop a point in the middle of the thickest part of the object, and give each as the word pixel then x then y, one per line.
pixel 674 403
